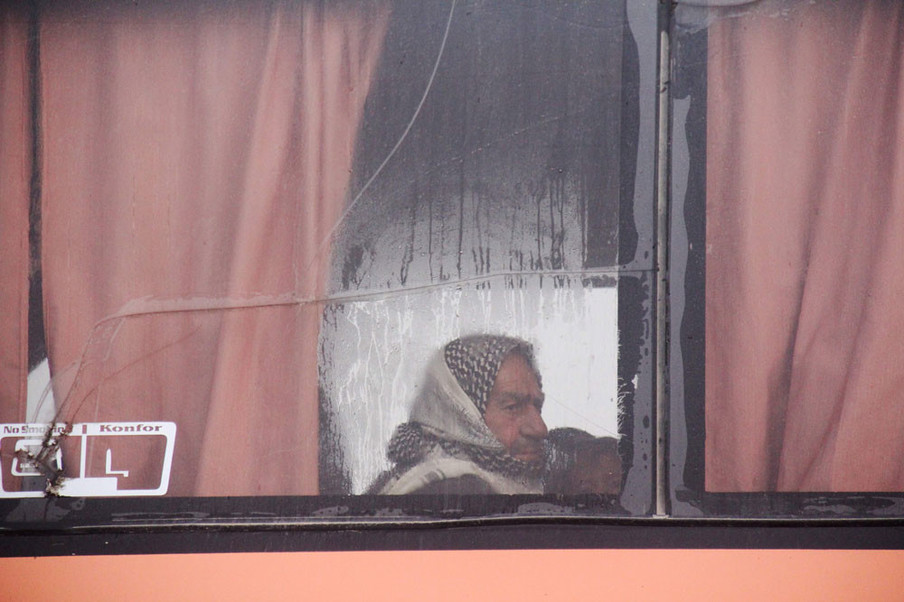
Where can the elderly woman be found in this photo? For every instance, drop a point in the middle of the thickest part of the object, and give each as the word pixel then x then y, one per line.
pixel 475 426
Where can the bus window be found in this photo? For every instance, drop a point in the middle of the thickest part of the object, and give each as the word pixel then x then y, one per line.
pixel 295 250
pixel 785 335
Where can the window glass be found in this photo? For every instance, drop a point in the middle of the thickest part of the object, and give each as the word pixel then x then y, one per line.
pixel 786 174
pixel 295 249
pixel 498 213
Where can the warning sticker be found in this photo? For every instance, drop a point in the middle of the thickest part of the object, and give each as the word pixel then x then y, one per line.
pixel 92 459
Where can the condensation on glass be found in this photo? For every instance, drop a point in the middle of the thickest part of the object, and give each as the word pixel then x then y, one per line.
pixel 498 213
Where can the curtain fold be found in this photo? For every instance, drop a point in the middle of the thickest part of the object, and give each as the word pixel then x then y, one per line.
pixel 15 189
pixel 805 237
pixel 194 160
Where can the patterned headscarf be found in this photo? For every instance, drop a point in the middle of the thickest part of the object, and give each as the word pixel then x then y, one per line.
pixel 474 362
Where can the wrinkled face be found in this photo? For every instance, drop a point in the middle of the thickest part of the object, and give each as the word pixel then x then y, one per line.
pixel 513 410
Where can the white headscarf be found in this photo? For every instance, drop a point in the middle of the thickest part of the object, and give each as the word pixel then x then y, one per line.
pixel 446 436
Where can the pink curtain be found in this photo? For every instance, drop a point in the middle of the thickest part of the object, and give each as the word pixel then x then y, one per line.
pixel 15 173
pixel 805 249
pixel 195 158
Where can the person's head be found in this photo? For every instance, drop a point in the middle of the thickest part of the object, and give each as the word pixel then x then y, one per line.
pixel 498 375
pixel 581 463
